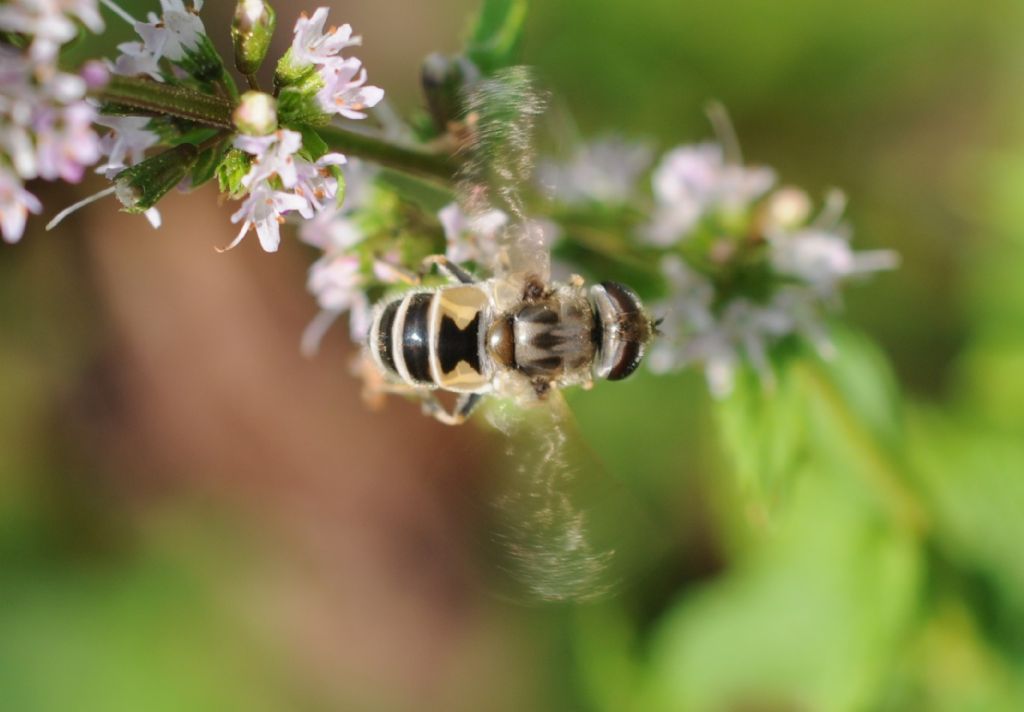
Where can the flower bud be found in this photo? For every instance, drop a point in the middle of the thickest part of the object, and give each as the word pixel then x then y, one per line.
pixel 789 208
pixel 256 114
pixel 443 80
pixel 140 187
pixel 96 75
pixel 251 32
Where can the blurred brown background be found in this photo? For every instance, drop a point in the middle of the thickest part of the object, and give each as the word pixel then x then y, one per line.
pixel 193 515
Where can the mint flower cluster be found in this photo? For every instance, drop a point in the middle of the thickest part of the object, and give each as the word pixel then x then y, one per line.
pixel 734 261
pixel 46 124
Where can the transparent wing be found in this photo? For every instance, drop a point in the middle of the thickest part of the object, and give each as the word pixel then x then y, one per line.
pixel 498 161
pixel 563 524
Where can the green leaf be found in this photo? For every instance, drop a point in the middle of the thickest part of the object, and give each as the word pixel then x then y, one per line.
pixel 764 432
pixel 973 479
pixel 497 33
pixel 813 618
pixel 838 413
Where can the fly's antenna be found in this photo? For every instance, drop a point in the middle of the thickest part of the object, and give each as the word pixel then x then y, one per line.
pixel 656 327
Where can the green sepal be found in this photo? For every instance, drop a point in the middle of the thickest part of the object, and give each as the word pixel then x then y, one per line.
pixel 203 63
pixel 251 39
pixel 297 104
pixel 339 196
pixel 208 163
pixel 497 34
pixel 232 169
pixel 287 73
pixel 313 146
pixel 140 187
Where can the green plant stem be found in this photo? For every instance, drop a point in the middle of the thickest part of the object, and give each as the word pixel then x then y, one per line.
pixel 879 470
pixel 151 97
pixel 410 160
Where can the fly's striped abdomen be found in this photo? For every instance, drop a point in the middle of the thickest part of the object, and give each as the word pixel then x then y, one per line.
pixel 414 334
pixel 433 339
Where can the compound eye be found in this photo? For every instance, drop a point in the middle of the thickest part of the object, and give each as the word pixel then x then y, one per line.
pixel 625 299
pixel 621 329
pixel 619 360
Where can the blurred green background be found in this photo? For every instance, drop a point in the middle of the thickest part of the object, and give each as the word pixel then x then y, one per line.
pixel 192 516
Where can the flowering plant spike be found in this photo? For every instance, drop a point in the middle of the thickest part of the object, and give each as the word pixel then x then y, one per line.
pixel 732 261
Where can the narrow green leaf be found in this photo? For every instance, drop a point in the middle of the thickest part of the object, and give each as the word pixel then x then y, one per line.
pixel 497 34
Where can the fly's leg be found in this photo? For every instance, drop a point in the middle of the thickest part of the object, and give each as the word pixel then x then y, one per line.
pixel 375 385
pixel 464 407
pixel 396 273
pixel 449 269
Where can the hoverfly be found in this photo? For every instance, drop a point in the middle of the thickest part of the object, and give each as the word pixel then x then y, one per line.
pixel 516 334
pixel 516 338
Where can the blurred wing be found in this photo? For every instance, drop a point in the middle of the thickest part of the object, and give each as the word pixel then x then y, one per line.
pixel 501 115
pixel 559 513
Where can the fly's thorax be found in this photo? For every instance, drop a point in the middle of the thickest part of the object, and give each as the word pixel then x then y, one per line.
pixel 550 339
pixel 622 330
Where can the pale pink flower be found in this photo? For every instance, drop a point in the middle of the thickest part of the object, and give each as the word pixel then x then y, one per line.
pixel 692 182
pixel 185 31
pixel 823 259
pixel 812 263
pixel 66 142
pixel 15 205
pixel 126 143
pixel 143 58
pixel 281 182
pixel 338 284
pixel 273 155
pixel 177 32
pixel 316 182
pixel 264 208
pixel 334 227
pixel 604 171
pixel 50 23
pixel 472 238
pixel 45 125
pixel 344 91
pixel 718 338
pixel 313 45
